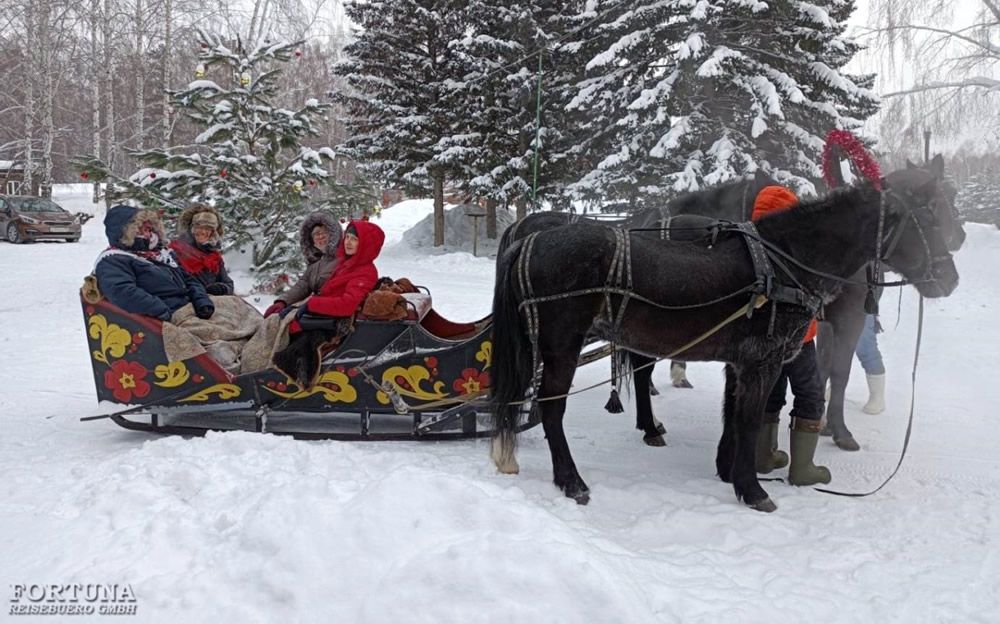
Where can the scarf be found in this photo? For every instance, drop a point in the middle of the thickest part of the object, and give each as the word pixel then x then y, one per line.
pixel 195 260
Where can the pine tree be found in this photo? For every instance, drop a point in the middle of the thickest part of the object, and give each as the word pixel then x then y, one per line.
pixel 403 92
pixel 979 199
pixel 683 95
pixel 250 162
pixel 507 58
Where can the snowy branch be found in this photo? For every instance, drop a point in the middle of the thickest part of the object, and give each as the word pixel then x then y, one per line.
pixel 990 84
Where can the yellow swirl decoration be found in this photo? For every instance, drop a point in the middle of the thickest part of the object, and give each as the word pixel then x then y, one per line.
pixel 224 390
pixel 172 374
pixel 414 376
pixel 344 392
pixel 114 339
pixel 485 354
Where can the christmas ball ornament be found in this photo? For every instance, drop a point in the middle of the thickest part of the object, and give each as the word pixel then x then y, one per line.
pixel 245 79
pixel 84 176
pixel 152 176
pixel 312 183
pixel 199 71
pixel 298 53
pixel 223 173
pixel 297 186
pixel 343 220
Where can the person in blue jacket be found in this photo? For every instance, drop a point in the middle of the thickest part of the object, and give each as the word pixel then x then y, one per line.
pixel 139 274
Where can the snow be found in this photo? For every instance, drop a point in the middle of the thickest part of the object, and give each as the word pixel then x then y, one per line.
pixel 254 528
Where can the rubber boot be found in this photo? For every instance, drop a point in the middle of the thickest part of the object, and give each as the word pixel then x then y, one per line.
pixel 802 471
pixel 876 395
pixel 678 375
pixel 768 455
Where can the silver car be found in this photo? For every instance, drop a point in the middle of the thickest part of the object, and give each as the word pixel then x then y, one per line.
pixel 25 219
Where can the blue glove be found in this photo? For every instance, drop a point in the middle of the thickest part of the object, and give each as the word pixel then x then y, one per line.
pixel 204 312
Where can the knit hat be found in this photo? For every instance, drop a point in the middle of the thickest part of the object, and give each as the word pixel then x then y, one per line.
pixel 772 199
pixel 205 219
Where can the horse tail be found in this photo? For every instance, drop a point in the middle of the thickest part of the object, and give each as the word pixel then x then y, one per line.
pixel 512 361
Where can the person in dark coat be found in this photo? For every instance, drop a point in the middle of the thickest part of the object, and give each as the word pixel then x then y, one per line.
pixel 138 274
pixel 197 248
pixel 319 237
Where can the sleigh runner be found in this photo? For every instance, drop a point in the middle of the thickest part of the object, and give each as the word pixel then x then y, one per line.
pixel 422 377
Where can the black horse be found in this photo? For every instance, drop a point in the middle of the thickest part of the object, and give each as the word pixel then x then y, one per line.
pixel 650 311
pixel 732 201
pixel 844 317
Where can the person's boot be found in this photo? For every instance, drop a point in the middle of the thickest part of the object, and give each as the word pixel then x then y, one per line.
pixel 768 455
pixel 678 375
pixel 876 395
pixel 802 471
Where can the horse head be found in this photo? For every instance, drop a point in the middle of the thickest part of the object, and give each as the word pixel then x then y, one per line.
pixel 915 239
pixel 943 201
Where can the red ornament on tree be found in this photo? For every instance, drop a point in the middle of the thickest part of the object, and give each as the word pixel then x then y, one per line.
pixel 84 176
pixel 343 220
pixel 312 182
pixel 223 173
pixel 152 176
pixel 298 53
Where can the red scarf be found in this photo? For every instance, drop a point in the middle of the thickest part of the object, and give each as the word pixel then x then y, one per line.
pixel 196 261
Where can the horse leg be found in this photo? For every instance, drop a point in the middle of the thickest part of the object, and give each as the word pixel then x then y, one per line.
pixel 678 374
pixel 847 327
pixel 725 455
pixel 645 421
pixel 753 385
pixel 557 377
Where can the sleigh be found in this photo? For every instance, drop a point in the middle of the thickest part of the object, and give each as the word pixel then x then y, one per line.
pixel 422 377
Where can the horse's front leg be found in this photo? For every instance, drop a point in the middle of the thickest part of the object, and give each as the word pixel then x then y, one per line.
pixel 753 384
pixel 557 377
pixel 725 455
pixel 642 373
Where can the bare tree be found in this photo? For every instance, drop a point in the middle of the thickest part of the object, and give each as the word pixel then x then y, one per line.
pixel 937 62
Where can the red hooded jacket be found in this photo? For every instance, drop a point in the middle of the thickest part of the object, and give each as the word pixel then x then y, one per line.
pixel 770 200
pixel 354 277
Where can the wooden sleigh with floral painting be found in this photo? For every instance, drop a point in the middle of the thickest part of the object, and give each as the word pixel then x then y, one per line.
pixel 421 377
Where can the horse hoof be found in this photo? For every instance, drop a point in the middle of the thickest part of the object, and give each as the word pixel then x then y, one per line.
pixel 660 429
pixel 847 444
pixel 682 383
pixel 582 499
pixel 766 505
pixel 653 391
pixel 654 440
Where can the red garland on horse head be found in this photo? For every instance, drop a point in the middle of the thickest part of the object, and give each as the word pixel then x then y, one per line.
pixel 853 148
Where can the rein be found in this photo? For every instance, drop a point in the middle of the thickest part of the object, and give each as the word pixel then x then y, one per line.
pixel 909 422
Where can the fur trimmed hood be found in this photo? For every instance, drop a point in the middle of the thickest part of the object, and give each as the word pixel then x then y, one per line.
pixel 310 252
pixel 192 211
pixel 122 223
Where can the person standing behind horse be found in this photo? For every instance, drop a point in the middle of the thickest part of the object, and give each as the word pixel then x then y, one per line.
pixel 319 237
pixel 802 373
pixel 871 360
pixel 197 248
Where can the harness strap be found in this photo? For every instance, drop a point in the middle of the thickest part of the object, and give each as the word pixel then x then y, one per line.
pixel 762 268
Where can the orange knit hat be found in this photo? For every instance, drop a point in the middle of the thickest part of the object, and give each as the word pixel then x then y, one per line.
pixel 772 199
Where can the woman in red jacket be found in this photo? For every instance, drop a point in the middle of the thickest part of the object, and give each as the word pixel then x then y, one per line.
pixel 803 374
pixel 355 275
pixel 345 290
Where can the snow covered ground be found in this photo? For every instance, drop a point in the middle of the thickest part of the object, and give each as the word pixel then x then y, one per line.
pixel 255 528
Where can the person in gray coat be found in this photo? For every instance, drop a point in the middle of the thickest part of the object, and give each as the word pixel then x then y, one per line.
pixel 319 236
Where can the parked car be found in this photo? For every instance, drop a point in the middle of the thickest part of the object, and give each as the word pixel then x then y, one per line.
pixel 24 219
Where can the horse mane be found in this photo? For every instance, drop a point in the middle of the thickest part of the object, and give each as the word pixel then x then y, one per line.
pixel 851 203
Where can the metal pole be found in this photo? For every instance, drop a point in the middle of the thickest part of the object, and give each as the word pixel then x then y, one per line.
pixel 927 147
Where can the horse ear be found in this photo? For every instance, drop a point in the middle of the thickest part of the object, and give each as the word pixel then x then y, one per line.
pixel 910 165
pixel 937 166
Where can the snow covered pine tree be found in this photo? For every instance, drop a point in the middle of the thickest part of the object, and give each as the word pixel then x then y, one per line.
pixel 250 162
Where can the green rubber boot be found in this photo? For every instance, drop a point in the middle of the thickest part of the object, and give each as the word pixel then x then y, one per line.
pixel 802 471
pixel 768 455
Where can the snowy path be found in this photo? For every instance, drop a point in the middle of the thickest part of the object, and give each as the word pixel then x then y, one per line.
pixel 251 528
